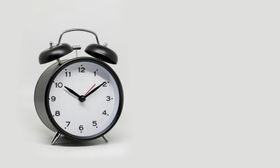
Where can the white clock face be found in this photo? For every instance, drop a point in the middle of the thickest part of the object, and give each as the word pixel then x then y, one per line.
pixel 84 99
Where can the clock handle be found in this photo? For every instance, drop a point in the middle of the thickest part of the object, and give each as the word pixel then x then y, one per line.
pixel 77 29
pixel 98 51
pixel 101 52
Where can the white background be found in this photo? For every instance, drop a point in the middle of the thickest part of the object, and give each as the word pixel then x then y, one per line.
pixel 201 82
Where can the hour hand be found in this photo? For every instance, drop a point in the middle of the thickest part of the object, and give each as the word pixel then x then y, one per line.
pixel 72 91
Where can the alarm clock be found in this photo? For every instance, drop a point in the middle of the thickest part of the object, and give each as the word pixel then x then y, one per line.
pixel 79 98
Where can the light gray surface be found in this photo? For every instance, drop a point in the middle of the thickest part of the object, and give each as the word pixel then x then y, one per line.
pixel 201 82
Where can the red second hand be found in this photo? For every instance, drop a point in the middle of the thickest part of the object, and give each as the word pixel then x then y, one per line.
pixel 89 89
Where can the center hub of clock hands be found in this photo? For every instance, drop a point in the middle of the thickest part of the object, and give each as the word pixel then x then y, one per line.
pixel 82 98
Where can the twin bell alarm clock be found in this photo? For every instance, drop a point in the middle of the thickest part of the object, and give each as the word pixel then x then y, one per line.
pixel 80 98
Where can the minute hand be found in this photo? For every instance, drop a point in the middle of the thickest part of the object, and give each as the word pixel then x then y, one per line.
pixel 93 90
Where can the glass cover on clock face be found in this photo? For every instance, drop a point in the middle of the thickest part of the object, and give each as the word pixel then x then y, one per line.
pixel 84 99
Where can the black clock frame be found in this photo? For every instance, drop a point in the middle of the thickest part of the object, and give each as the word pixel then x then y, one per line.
pixel 49 75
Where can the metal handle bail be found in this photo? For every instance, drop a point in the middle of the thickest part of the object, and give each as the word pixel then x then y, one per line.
pixel 76 29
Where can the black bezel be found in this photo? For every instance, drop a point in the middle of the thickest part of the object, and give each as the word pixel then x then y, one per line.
pixel 114 75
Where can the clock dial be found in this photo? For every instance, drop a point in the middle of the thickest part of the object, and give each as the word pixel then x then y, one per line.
pixel 84 98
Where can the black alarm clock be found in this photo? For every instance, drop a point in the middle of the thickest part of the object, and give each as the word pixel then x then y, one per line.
pixel 80 98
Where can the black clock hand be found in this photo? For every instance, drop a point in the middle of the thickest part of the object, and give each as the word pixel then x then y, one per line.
pixel 72 91
pixel 93 90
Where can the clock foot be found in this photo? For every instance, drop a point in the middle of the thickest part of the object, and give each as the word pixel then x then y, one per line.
pixel 105 139
pixel 55 138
